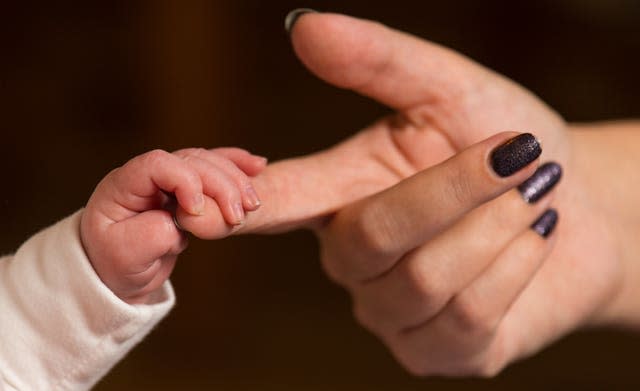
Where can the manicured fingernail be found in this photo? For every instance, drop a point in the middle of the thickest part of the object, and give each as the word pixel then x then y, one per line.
pixel 293 16
pixel 198 205
pixel 238 213
pixel 546 223
pixel 252 197
pixel 515 154
pixel 541 182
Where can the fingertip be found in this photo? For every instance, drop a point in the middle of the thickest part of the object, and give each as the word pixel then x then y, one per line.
pixel 260 161
pixel 546 223
pixel 542 182
pixel 235 214
pixel 192 203
pixel 505 166
pixel 515 154
pixel 211 224
pixel 340 49
pixel 255 165
pixel 198 205
pixel 293 16
pixel 251 199
pixel 320 26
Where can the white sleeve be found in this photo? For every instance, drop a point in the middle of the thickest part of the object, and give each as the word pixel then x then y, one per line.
pixel 61 328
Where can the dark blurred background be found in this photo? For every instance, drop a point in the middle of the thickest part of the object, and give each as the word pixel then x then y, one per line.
pixel 87 85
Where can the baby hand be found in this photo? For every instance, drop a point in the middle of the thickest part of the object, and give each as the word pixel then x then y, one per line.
pixel 129 235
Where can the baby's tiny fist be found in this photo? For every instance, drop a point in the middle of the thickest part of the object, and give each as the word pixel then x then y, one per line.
pixel 224 173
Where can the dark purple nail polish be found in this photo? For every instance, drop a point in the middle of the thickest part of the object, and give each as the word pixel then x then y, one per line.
pixel 541 182
pixel 515 154
pixel 293 16
pixel 546 223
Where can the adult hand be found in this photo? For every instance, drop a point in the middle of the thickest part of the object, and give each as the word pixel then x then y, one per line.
pixel 445 103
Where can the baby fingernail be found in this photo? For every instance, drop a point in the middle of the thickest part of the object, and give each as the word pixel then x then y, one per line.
pixel 541 182
pixel 515 154
pixel 252 197
pixel 293 16
pixel 238 213
pixel 198 204
pixel 546 223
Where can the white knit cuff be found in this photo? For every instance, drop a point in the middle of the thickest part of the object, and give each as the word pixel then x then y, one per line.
pixel 61 327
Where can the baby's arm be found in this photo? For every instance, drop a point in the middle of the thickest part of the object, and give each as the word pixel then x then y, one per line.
pixel 130 237
pixel 62 325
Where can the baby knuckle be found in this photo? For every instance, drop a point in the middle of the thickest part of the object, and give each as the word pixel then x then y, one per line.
pixel 241 179
pixel 198 152
pixel 155 156
pixel 191 155
pixel 230 192
pixel 181 152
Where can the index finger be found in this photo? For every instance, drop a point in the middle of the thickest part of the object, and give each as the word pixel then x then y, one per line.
pixel 141 178
pixel 367 238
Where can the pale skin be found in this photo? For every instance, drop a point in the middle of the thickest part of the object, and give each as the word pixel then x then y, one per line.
pixel 435 249
pixel 462 315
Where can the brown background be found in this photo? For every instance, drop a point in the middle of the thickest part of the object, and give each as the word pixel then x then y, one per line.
pixel 86 86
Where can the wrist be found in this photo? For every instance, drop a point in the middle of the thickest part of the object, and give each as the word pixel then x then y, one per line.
pixel 87 232
pixel 605 160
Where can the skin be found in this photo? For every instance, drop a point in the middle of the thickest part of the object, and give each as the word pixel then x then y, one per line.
pixel 434 248
pixel 460 315
pixel 130 237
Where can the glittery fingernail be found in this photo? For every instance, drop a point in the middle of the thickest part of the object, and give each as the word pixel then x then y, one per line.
pixel 293 16
pixel 546 223
pixel 515 154
pixel 541 182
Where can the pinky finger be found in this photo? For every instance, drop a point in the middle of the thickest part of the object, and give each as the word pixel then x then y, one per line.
pixel 465 330
pixel 484 302
pixel 249 163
